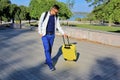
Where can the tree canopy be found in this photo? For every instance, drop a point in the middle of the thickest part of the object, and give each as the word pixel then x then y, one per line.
pixel 4 7
pixel 37 7
pixel 9 11
pixel 107 10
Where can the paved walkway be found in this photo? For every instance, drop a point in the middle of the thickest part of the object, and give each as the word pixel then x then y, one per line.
pixel 22 58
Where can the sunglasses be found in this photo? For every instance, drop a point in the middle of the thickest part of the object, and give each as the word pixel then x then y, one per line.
pixel 55 10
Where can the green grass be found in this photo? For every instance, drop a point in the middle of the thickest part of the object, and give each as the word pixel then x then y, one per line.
pixel 102 28
pixel 93 27
pixel 34 24
pixel 98 27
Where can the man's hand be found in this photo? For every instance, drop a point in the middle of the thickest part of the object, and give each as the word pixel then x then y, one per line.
pixel 65 35
pixel 41 35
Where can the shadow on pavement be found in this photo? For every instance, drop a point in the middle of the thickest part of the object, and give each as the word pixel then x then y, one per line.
pixel 78 55
pixel 105 69
pixel 34 73
pixel 56 57
pixel 117 31
pixel 37 73
pixel 11 33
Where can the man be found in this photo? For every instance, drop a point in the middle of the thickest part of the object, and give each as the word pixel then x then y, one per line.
pixel 48 23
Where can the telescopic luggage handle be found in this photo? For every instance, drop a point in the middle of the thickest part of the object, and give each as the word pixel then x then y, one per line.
pixel 68 44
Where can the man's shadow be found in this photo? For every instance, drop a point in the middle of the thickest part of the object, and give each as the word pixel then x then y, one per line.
pixel 56 57
pixel 59 53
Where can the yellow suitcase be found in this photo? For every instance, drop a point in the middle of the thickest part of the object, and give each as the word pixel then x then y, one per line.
pixel 69 51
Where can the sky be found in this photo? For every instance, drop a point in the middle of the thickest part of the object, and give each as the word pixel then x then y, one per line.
pixel 79 6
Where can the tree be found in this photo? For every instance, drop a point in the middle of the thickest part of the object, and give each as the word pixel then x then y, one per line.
pixel 107 10
pixel 4 9
pixel 112 11
pixel 28 17
pixel 65 12
pixel 91 17
pixel 13 10
pixel 10 11
pixel 37 7
pixel 22 13
pixel 18 11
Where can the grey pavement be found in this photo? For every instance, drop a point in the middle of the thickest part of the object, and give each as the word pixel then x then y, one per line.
pixel 22 58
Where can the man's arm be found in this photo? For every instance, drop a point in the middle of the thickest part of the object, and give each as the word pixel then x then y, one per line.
pixel 40 23
pixel 60 28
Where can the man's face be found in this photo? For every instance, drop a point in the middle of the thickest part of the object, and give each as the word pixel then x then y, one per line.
pixel 55 11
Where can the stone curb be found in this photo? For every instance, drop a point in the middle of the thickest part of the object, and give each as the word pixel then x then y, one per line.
pixel 107 38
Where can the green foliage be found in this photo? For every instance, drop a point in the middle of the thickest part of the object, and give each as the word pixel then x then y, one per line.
pixel 4 4
pixel 78 19
pixel 99 27
pixel 37 7
pixel 91 17
pixel 13 10
pixel 64 12
pixel 24 12
pixel 10 11
pixel 107 10
pixel 34 8
pixel 17 13
pixel 4 9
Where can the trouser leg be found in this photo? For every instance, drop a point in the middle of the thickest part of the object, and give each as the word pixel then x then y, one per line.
pixel 47 43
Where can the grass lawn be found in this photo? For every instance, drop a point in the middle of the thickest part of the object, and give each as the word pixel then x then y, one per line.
pixel 99 27
pixel 94 27
pixel 102 28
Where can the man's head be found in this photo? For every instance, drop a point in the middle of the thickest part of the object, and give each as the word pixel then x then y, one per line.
pixel 55 9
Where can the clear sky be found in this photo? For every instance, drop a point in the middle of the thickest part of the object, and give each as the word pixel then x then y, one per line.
pixel 79 6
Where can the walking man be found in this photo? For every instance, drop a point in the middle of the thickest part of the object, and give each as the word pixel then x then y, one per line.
pixel 48 23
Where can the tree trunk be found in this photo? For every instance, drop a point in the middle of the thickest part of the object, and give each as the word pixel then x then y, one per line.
pixel 29 22
pixel 20 24
pixel 0 20
pixel 110 22
pixel 67 23
pixel 13 21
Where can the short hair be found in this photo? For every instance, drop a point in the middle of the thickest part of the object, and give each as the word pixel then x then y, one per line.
pixel 56 7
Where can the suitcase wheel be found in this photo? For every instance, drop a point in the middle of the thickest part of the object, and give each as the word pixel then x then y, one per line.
pixel 75 60
pixel 65 59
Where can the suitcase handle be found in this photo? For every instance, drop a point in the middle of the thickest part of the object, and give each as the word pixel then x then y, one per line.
pixel 66 45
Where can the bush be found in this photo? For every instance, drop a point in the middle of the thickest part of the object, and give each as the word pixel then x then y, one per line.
pixel 78 19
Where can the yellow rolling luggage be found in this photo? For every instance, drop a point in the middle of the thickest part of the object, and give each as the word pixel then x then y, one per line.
pixel 69 51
